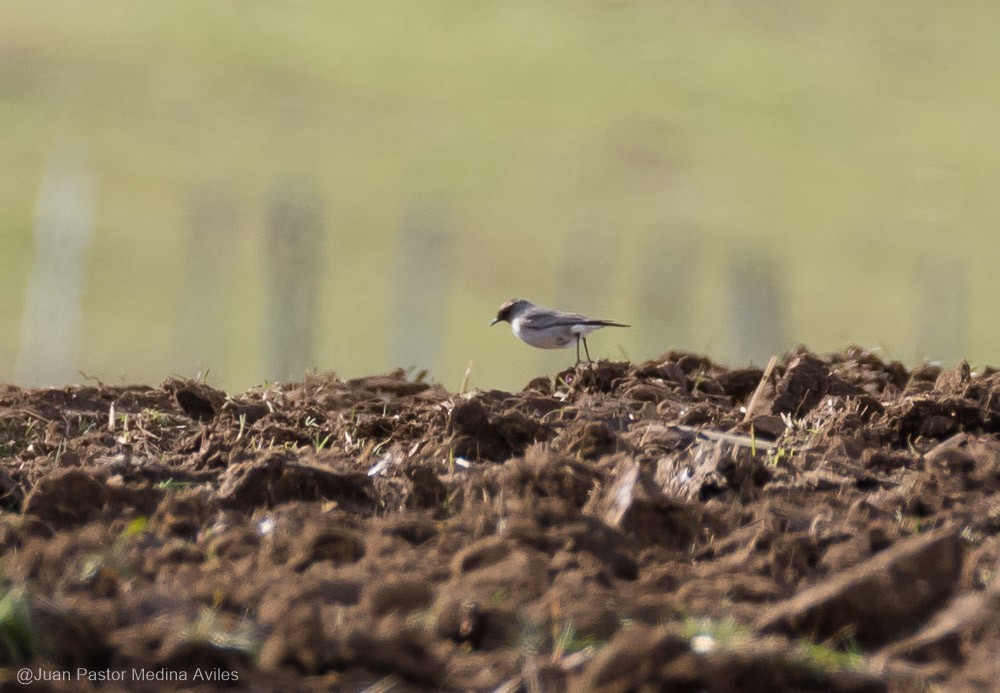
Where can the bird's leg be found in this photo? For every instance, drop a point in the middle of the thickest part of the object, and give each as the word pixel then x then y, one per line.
pixel 589 360
pixel 578 350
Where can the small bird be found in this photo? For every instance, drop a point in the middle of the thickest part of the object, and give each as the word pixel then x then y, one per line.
pixel 549 329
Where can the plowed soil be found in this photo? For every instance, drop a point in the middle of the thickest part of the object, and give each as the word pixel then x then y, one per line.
pixel 831 524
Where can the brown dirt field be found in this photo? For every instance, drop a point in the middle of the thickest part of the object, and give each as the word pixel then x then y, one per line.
pixel 830 525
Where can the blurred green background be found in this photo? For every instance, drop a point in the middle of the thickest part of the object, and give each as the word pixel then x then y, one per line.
pixel 362 183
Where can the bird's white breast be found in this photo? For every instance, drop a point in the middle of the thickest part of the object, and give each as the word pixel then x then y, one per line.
pixel 552 338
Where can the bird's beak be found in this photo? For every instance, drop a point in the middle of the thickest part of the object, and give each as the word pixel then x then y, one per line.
pixel 494 321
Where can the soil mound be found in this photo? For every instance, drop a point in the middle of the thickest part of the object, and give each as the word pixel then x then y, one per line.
pixel 826 523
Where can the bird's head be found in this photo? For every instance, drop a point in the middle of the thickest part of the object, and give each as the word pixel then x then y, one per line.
pixel 510 310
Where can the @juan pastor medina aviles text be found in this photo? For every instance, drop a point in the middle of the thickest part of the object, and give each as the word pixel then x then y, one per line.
pixel 26 675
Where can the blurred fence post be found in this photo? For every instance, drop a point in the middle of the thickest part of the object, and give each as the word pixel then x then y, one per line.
pixel 666 282
pixel 941 291
pixel 423 271
pixel 293 242
pixel 205 291
pixel 756 308
pixel 50 326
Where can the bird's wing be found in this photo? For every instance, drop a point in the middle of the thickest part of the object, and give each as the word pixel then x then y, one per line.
pixel 588 321
pixel 545 319
pixel 607 323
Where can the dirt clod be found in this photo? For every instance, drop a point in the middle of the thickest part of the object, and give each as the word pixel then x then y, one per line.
pixel 878 599
pixel 66 497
